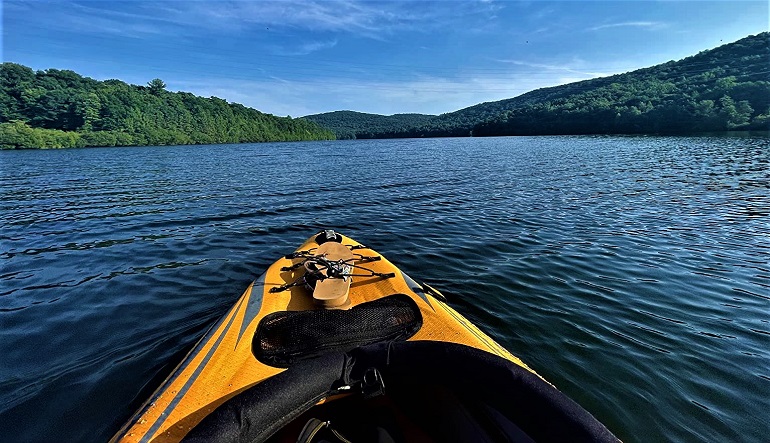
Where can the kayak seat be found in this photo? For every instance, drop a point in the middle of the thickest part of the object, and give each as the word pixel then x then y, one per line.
pixel 425 413
pixel 285 337
pixel 433 391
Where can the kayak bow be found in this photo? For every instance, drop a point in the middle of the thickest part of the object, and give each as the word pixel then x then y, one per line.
pixel 333 342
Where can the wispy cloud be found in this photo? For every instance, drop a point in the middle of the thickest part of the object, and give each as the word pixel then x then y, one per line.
pixel 554 73
pixel 371 19
pixel 375 20
pixel 565 67
pixel 92 19
pixel 541 14
pixel 631 24
pixel 304 48
pixel 333 15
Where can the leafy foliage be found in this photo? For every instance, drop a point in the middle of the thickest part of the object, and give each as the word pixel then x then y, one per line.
pixel 58 108
pixel 727 88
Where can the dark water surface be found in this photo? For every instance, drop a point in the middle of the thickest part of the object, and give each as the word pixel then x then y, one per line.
pixel 633 273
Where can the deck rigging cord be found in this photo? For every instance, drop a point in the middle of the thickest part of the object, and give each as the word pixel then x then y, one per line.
pixel 315 265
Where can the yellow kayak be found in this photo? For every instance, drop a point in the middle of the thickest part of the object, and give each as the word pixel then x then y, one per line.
pixel 334 343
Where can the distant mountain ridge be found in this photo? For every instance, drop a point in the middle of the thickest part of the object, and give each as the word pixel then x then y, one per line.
pixel 726 88
pixel 351 124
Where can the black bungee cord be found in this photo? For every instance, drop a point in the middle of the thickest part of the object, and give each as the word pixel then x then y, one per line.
pixel 333 268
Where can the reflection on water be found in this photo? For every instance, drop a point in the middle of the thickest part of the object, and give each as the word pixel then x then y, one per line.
pixel 632 272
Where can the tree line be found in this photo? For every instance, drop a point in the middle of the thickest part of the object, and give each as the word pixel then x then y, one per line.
pixel 61 109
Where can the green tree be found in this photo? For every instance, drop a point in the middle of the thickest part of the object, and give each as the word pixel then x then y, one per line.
pixel 55 110
pixel 88 106
pixel 14 80
pixel 735 115
pixel 156 86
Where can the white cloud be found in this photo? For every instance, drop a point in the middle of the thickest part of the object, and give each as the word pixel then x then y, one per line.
pixel 304 48
pixel 90 18
pixel 333 15
pixel 568 67
pixel 375 20
pixel 640 24
pixel 141 19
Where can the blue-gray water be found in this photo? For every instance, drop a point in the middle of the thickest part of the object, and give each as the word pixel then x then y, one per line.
pixel 632 272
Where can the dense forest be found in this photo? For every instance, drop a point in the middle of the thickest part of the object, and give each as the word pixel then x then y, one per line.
pixel 60 109
pixel 727 88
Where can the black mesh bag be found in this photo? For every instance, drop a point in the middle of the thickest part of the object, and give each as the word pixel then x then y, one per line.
pixel 285 337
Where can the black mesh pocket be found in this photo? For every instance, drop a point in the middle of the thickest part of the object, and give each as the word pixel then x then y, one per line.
pixel 285 337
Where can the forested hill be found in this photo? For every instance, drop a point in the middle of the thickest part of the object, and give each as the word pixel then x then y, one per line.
pixel 727 88
pixel 350 124
pixel 59 108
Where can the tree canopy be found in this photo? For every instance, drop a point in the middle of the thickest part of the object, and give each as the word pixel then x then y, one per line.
pixel 60 108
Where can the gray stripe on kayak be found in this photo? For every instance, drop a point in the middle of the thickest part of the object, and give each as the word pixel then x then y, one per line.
pixel 464 322
pixel 254 305
pixel 178 371
pixel 416 288
pixel 163 415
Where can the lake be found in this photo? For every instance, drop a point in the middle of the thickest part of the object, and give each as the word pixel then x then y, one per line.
pixel 631 272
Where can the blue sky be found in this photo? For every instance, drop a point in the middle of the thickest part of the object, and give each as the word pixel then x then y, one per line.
pixel 299 57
